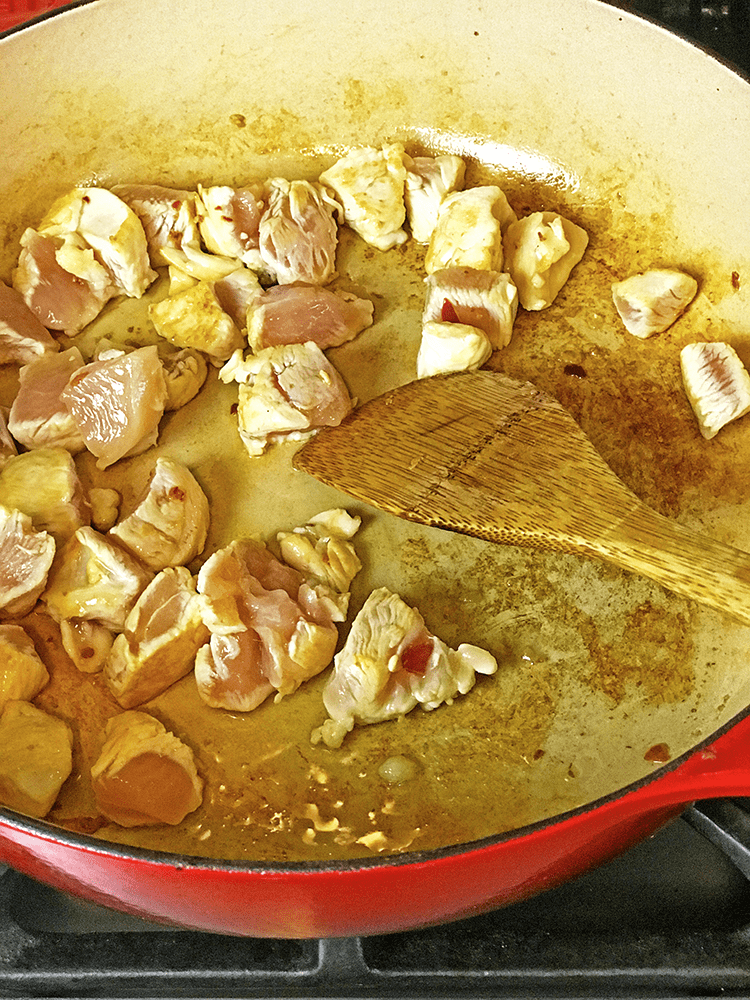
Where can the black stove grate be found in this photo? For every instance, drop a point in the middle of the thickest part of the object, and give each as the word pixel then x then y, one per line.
pixel 669 919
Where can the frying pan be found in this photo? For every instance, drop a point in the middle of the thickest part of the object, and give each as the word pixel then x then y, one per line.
pixel 586 108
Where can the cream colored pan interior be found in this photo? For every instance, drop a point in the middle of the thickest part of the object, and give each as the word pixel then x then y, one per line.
pixel 577 107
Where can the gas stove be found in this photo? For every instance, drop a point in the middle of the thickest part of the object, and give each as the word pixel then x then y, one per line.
pixel 671 918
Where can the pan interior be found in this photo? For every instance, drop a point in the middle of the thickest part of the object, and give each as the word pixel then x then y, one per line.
pixel 603 675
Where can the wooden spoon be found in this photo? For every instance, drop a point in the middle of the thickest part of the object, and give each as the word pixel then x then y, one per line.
pixel 486 455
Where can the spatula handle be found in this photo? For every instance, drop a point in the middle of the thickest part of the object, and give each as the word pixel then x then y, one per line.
pixel 689 564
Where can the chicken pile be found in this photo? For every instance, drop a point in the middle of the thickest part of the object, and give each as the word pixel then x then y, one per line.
pixel 249 274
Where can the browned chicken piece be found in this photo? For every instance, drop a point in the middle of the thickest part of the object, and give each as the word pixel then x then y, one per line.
pixel 299 232
pixel 145 774
pixel 35 758
pixel 487 300
pixel 22 673
pixel 96 580
pixel 170 524
pixel 44 484
pixel 25 559
pixel 162 634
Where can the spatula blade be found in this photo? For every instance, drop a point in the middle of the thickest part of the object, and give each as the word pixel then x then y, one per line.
pixel 476 452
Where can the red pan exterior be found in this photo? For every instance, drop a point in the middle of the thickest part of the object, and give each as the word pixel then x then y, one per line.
pixel 373 897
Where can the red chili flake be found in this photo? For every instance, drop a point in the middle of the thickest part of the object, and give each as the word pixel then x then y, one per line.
pixel 234 407
pixel 659 753
pixel 414 659
pixel 177 205
pixel 448 313
pixel 86 198
pixel 87 652
pixel 227 218
pixel 176 493
pixel 735 280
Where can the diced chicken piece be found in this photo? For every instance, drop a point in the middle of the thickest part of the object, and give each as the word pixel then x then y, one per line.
pixel 322 551
pixel 650 302
pixel 22 673
pixel 469 230
pixel 166 214
pixel 390 664
pixel 61 298
pixel 105 507
pixel 22 336
pixel 299 232
pixel 487 300
pixel 270 631
pixel 39 417
pixel 369 184
pixel 294 314
pixel 236 292
pixel 451 347
pixel 162 635
pixel 145 774
pixel 44 484
pixel 117 404
pixel 229 220
pixel 428 180
pixel 112 230
pixel 717 385
pixel 87 643
pixel 286 393
pixel 540 252
pixel 194 318
pixel 170 524
pixel 185 371
pixel 36 758
pixel 95 579
pixel 8 446
pixel 25 559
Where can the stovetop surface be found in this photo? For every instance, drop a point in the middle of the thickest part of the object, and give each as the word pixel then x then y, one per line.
pixel 671 918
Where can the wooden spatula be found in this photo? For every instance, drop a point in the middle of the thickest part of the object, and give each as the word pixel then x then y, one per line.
pixel 483 454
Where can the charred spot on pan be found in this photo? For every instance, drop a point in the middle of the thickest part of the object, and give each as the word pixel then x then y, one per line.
pixel 576 371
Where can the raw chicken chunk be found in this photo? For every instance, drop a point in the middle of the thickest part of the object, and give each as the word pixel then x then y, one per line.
pixel 39 417
pixel 35 758
pixel 170 524
pixel 8 446
pixel 61 298
pixel 44 484
pixel 285 394
pixel 95 579
pixel 540 252
pixel 22 673
pixel 299 232
pixel 25 559
pixel 236 292
pixel 428 180
pixel 87 643
pixel 229 220
pixel 162 634
pixel 390 664
pixel 22 336
pixel 369 184
pixel 469 230
pixel 649 303
pixel 194 318
pixel 451 347
pixel 185 371
pixel 294 314
pixel 167 215
pixel 270 630
pixel 484 299
pixel 117 403
pixel 717 385
pixel 145 774
pixel 112 230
